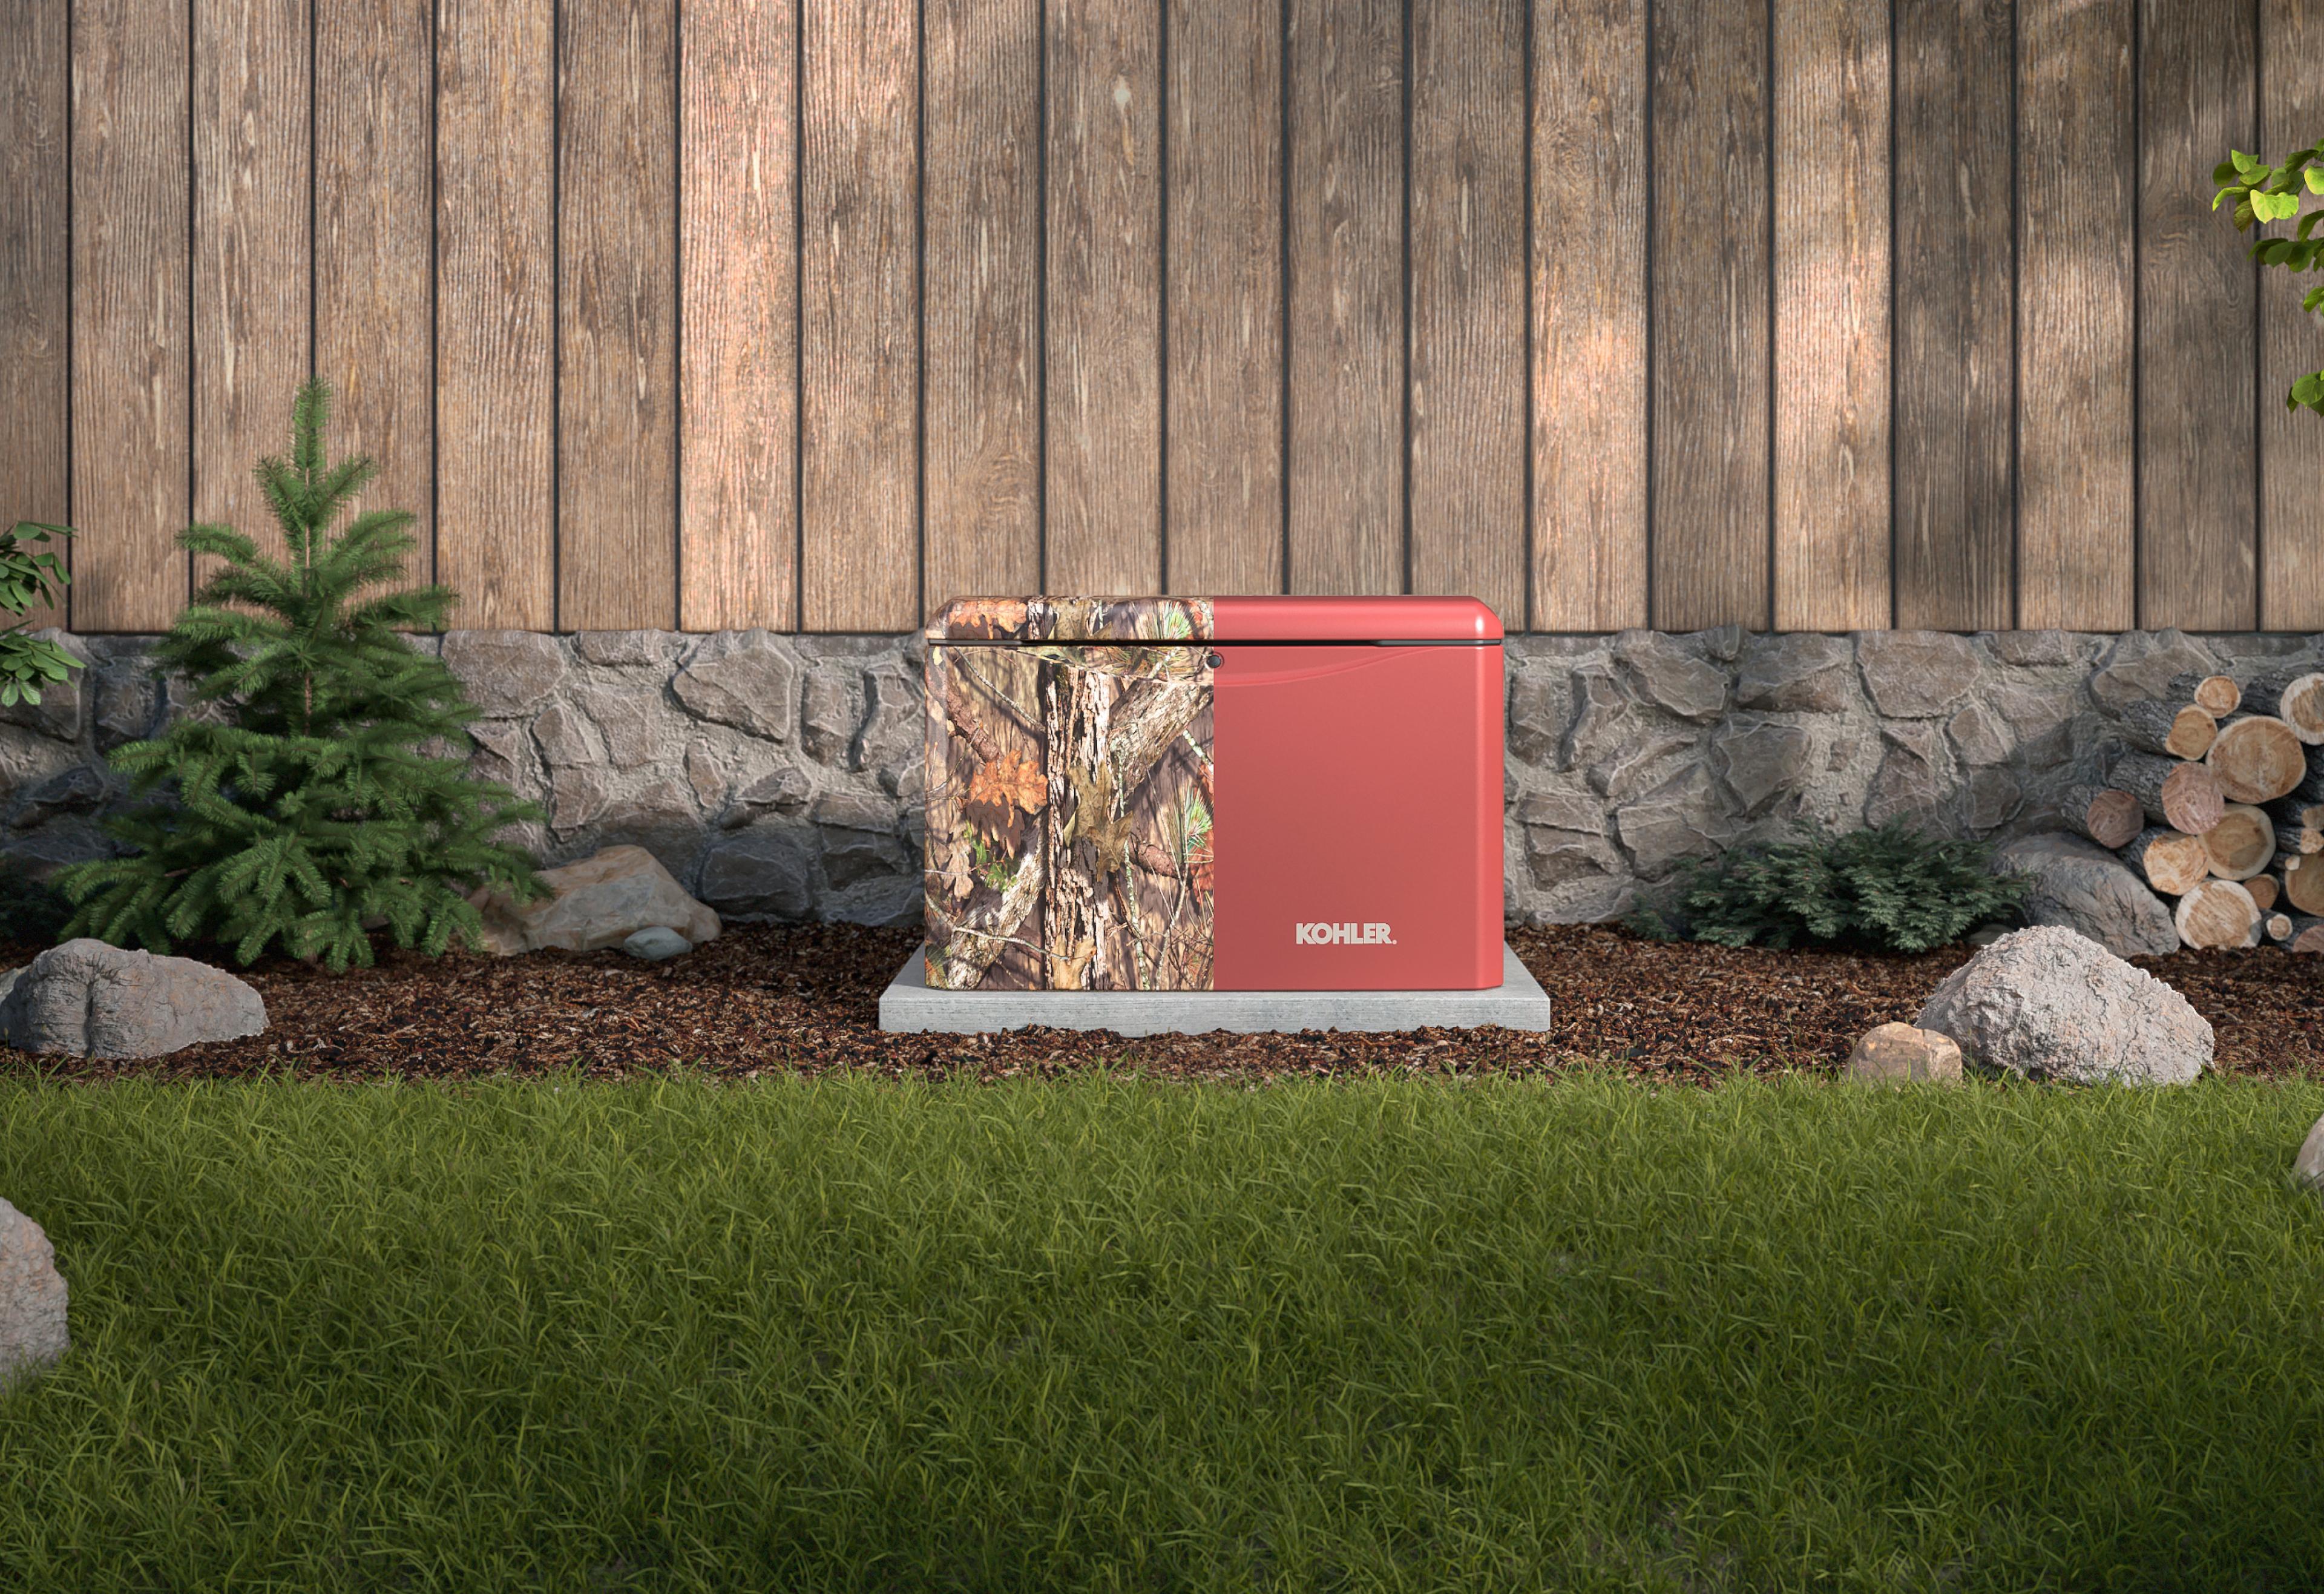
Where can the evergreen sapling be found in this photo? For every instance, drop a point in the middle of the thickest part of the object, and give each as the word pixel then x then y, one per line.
pixel 299 801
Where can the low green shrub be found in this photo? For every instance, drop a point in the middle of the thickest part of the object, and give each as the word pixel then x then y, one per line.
pixel 1892 888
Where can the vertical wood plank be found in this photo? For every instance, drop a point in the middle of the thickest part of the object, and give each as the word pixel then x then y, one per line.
pixel 982 230
pixel 1589 308
pixel 617 386
pixel 1954 313
pixel 2077 167
pixel 35 263
pixel 1347 453
pixel 495 316
pixel 374 226
pixel 1104 397
pixel 1711 305
pixel 1225 296
pixel 858 271
pixel 2197 428
pixel 1831 314
pixel 132 445
pixel 1466 359
pixel 2291 441
pixel 738 208
pixel 250 253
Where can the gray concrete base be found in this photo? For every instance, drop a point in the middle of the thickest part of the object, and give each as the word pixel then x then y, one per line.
pixel 1518 1002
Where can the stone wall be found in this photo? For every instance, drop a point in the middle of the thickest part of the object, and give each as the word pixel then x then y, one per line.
pixel 780 776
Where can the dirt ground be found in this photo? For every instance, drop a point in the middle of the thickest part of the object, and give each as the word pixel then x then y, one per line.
pixel 804 999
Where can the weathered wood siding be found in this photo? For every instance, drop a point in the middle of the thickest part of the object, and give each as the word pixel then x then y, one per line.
pixel 813 314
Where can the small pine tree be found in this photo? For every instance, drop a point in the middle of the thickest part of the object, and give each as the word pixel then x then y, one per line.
pixel 297 803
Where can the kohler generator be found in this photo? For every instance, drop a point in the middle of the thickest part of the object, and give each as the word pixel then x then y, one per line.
pixel 1214 793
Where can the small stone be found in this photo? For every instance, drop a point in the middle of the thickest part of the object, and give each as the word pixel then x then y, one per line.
pixel 855 810
pixel 782 790
pixel 599 901
pixel 1990 798
pixel 657 943
pixel 2049 1002
pixel 89 999
pixel 896 726
pixel 567 741
pixel 1539 705
pixel 1894 1053
pixel 629 719
pixel 79 789
pixel 2038 647
pixel 2143 663
pixel 1678 819
pixel 577 793
pixel 1978 735
pixel 1672 678
pixel 759 872
pixel 1916 675
pixel 1640 763
pixel 2308 1167
pixel 33 1300
pixel 1760 760
pixel 504 673
pixel 1795 672
pixel 1909 783
pixel 703 773
pixel 2084 887
pixel 622 649
pixel 745 678
pixel 827 714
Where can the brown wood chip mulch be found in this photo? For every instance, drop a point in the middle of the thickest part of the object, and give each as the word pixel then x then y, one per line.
pixel 763 999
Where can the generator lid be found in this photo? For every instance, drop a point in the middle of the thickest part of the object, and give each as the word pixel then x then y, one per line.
pixel 1216 619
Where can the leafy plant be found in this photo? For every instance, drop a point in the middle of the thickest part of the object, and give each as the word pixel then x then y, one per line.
pixel 1894 888
pixel 2264 193
pixel 301 808
pixel 28 578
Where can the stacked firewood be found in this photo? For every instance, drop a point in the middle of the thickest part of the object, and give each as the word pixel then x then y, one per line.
pixel 2216 798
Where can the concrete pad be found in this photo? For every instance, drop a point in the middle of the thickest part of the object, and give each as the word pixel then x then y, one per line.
pixel 1518 1002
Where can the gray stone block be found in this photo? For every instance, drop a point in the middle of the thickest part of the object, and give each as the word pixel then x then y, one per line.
pixel 908 1004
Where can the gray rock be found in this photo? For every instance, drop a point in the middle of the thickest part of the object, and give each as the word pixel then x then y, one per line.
pixel 2039 719
pixel 782 790
pixel 705 776
pixel 2140 664
pixel 2083 887
pixel 127 704
pixel 1679 819
pixel 1539 706
pixel 1980 736
pixel 622 649
pixel 1910 782
pixel 1916 675
pixel 1795 672
pixel 80 788
pixel 906 780
pixel 1562 811
pixel 2049 1003
pixel 89 999
pixel 576 794
pixel 892 901
pixel 1762 759
pixel 855 810
pixel 1724 643
pixel 657 943
pixel 599 901
pixel 505 672
pixel 2308 1167
pixel 1896 1053
pixel 894 727
pixel 2039 647
pixel 1604 719
pixel 567 741
pixel 1561 857
pixel 1638 763
pixel 850 855
pixel 1990 798
pixel 33 1300
pixel 745 678
pixel 630 719
pixel 827 714
pixel 503 754
pixel 1671 678
pixel 759 872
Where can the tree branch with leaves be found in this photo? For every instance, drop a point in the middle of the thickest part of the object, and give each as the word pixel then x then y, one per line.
pixel 2263 194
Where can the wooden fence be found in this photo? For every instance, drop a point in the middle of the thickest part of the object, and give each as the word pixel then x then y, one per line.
pixel 1810 314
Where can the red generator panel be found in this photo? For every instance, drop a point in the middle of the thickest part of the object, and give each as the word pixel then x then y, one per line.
pixel 1214 793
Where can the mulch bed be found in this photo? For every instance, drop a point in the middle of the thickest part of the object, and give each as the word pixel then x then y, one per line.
pixel 765 999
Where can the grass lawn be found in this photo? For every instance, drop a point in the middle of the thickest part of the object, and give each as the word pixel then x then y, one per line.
pixel 1111 1335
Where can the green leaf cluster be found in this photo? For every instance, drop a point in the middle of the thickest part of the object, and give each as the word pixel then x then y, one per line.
pixel 306 798
pixel 26 579
pixel 1892 888
pixel 2262 194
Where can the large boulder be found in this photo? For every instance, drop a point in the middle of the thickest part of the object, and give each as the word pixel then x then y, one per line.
pixel 2049 1002
pixel 31 1298
pixel 2083 887
pixel 601 901
pixel 90 999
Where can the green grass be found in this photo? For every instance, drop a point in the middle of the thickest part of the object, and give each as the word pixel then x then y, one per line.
pixel 1104 1336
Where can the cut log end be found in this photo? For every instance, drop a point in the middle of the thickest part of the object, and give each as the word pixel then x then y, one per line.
pixel 2296 700
pixel 2241 844
pixel 2185 797
pixel 2256 759
pixel 2218 913
pixel 2111 818
pixel 2170 861
pixel 2276 926
pixel 2182 732
pixel 2303 883
pixel 2215 694
pixel 2263 889
pixel 2306 934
